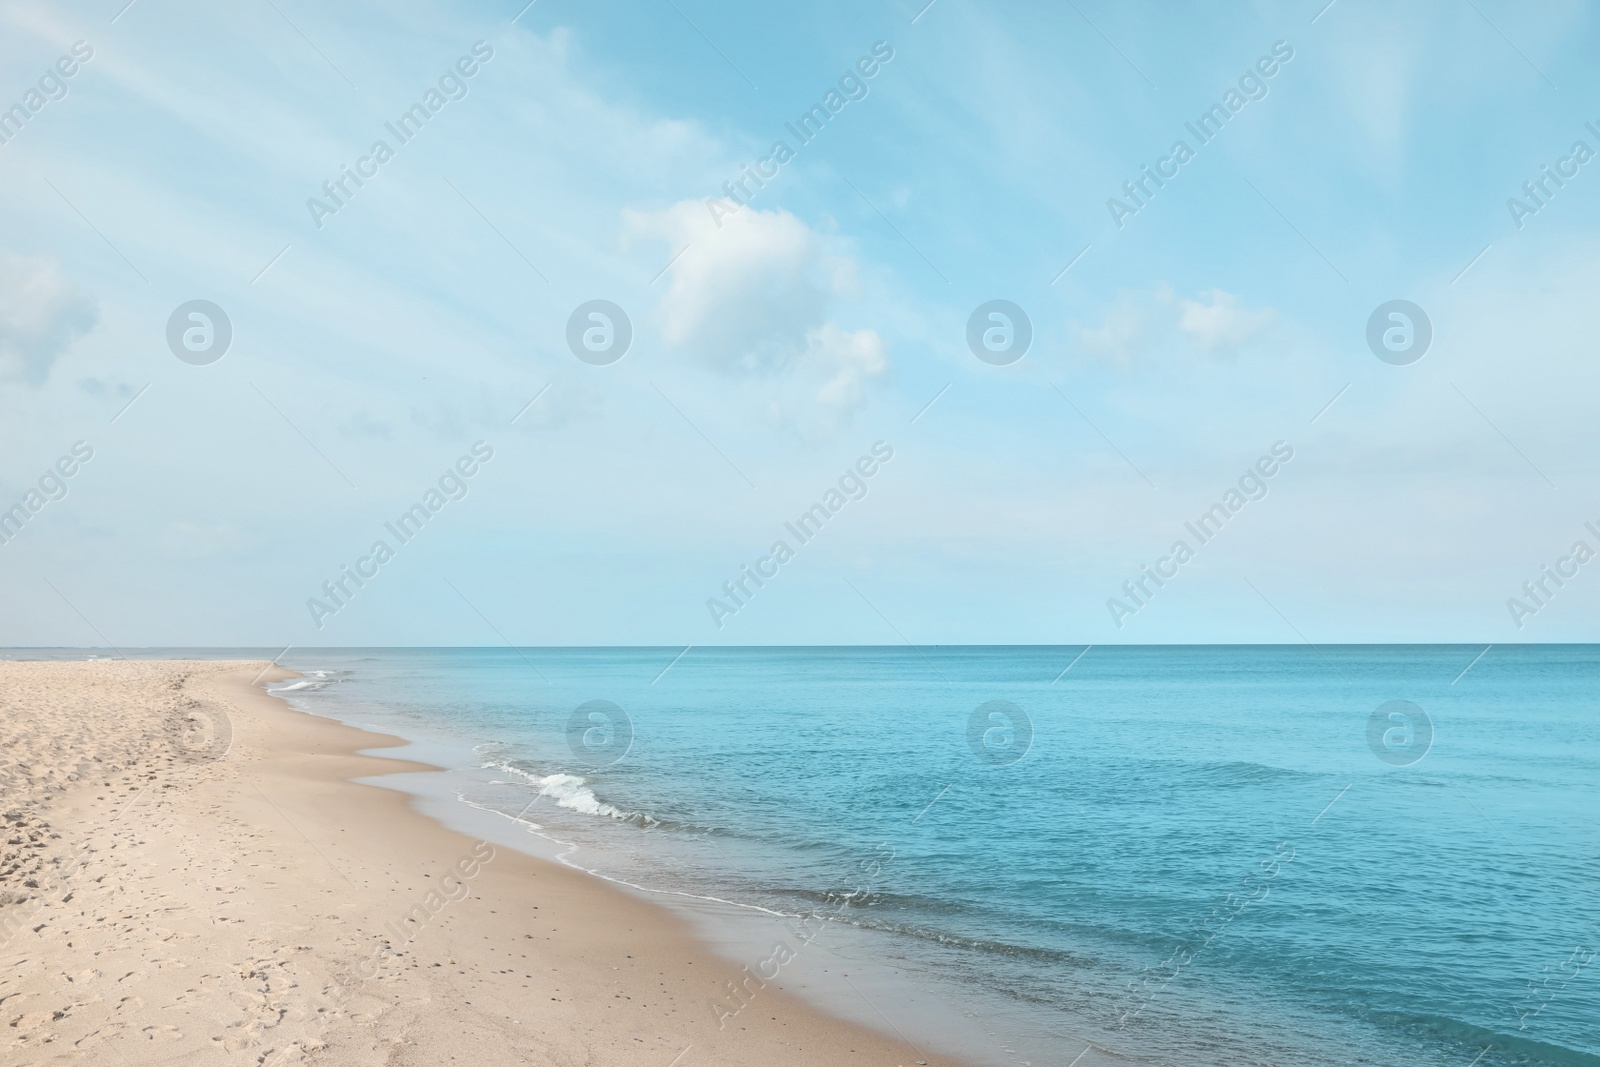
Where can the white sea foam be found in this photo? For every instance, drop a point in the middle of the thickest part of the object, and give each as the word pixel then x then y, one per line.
pixel 569 791
pixel 570 849
pixel 304 683
pixel 313 681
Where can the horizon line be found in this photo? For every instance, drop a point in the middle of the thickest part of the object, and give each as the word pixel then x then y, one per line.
pixel 1052 645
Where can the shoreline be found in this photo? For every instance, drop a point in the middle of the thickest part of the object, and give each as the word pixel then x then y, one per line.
pixel 276 859
pixel 860 974
pixel 846 975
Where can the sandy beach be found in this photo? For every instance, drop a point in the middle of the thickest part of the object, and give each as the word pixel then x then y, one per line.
pixel 188 874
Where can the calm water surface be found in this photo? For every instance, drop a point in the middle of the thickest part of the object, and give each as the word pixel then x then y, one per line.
pixel 1197 854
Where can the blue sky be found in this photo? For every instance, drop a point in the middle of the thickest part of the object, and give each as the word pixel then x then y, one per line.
pixel 586 160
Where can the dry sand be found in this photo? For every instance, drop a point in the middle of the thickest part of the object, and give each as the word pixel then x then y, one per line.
pixel 189 875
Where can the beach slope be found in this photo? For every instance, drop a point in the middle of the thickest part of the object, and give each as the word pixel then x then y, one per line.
pixel 188 874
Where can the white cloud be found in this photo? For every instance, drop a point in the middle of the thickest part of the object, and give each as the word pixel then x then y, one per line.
pixel 1140 327
pixel 1125 335
pixel 858 357
pixel 41 314
pixel 1222 324
pixel 756 297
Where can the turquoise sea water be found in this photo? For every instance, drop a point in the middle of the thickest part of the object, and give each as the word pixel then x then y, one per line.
pixel 1188 854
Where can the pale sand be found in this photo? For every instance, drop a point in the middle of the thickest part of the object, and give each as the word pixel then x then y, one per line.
pixel 169 898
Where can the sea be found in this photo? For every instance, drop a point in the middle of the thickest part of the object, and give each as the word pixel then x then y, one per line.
pixel 1064 855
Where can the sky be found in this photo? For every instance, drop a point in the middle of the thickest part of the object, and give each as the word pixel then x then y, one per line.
pixel 386 338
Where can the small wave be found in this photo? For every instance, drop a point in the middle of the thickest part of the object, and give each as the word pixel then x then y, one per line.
pixel 1239 773
pixel 572 792
pixel 569 850
pixel 304 683
pixel 1463 1033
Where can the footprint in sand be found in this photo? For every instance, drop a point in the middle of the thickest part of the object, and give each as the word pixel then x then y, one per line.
pixel 31 1020
pixel 95 1037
